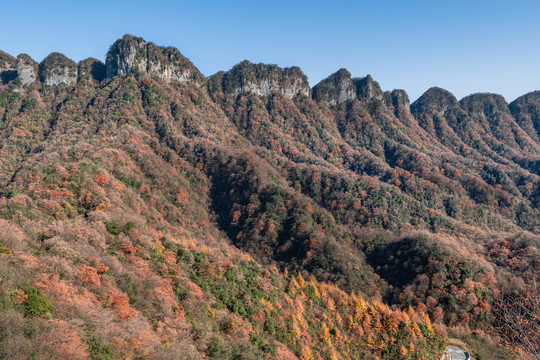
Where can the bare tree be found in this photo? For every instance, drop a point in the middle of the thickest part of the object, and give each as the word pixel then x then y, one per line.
pixel 517 319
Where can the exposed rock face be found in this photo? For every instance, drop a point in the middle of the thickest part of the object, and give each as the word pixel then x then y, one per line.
pixel 486 104
pixel 56 69
pixel 261 79
pixel 368 89
pixel 339 87
pixel 27 69
pixel 125 55
pixel 7 62
pixel 400 98
pixel 434 100
pixel 167 63
pixel 8 67
pixel 335 89
pixel 92 69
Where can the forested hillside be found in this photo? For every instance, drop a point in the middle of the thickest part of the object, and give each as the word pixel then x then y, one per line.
pixel 147 211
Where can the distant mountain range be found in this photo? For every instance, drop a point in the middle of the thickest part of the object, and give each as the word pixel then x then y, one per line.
pixel 147 211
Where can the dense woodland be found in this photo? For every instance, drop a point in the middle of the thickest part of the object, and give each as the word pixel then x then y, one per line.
pixel 149 212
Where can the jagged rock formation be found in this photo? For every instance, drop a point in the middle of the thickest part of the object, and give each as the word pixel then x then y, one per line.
pixel 335 89
pixel 368 89
pixel 91 69
pixel 27 69
pixel 399 101
pixel 8 67
pixel 7 62
pixel 56 68
pixel 340 87
pixel 261 79
pixel 400 98
pixel 130 200
pixel 125 55
pixel 167 63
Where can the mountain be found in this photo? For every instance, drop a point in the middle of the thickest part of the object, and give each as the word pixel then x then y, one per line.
pixel 147 211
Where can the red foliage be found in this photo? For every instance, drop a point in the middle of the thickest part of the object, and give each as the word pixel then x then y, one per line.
pixel 101 179
pixel 89 275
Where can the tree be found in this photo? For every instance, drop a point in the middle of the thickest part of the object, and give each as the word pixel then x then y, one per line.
pixel 517 319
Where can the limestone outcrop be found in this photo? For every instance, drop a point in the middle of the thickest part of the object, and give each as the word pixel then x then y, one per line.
pixel 56 68
pixel 335 89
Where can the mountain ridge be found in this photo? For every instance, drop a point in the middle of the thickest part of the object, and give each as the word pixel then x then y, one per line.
pixel 131 58
pixel 192 211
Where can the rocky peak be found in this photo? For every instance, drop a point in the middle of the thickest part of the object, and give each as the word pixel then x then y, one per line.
pixel 27 69
pixel 8 67
pixel 400 98
pixel 92 69
pixel 435 99
pixel 167 63
pixel 335 89
pixel 7 62
pixel 133 53
pixel 125 55
pixel 367 88
pixel 486 104
pixel 262 79
pixel 56 68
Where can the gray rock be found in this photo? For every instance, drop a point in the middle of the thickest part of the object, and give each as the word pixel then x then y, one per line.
pixel 400 98
pixel 27 69
pixel 8 67
pixel 125 55
pixel 91 69
pixel 368 89
pixel 261 79
pixel 335 89
pixel 166 63
pixel 56 69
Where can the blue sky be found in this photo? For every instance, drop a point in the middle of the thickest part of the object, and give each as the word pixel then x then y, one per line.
pixel 462 46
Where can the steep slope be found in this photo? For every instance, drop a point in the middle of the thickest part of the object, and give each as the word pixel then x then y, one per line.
pixel 163 214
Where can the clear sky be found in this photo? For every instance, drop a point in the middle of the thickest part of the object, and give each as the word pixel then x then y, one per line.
pixel 462 46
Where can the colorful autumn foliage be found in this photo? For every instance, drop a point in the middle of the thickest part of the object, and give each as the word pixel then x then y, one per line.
pixel 141 218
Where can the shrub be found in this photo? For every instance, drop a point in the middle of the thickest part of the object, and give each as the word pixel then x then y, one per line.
pixel 128 227
pixel 31 301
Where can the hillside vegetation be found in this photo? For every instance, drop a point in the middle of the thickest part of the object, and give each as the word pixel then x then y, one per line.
pixel 149 212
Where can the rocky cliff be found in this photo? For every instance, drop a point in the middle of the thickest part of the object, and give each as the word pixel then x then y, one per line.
pixel 126 55
pixel 340 87
pixel 56 68
pixel 8 67
pixel 261 79
pixel 335 89
pixel 27 69
pixel 368 89
pixel 91 69
pixel 167 63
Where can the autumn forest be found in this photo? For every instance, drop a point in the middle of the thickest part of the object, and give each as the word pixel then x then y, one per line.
pixel 150 212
